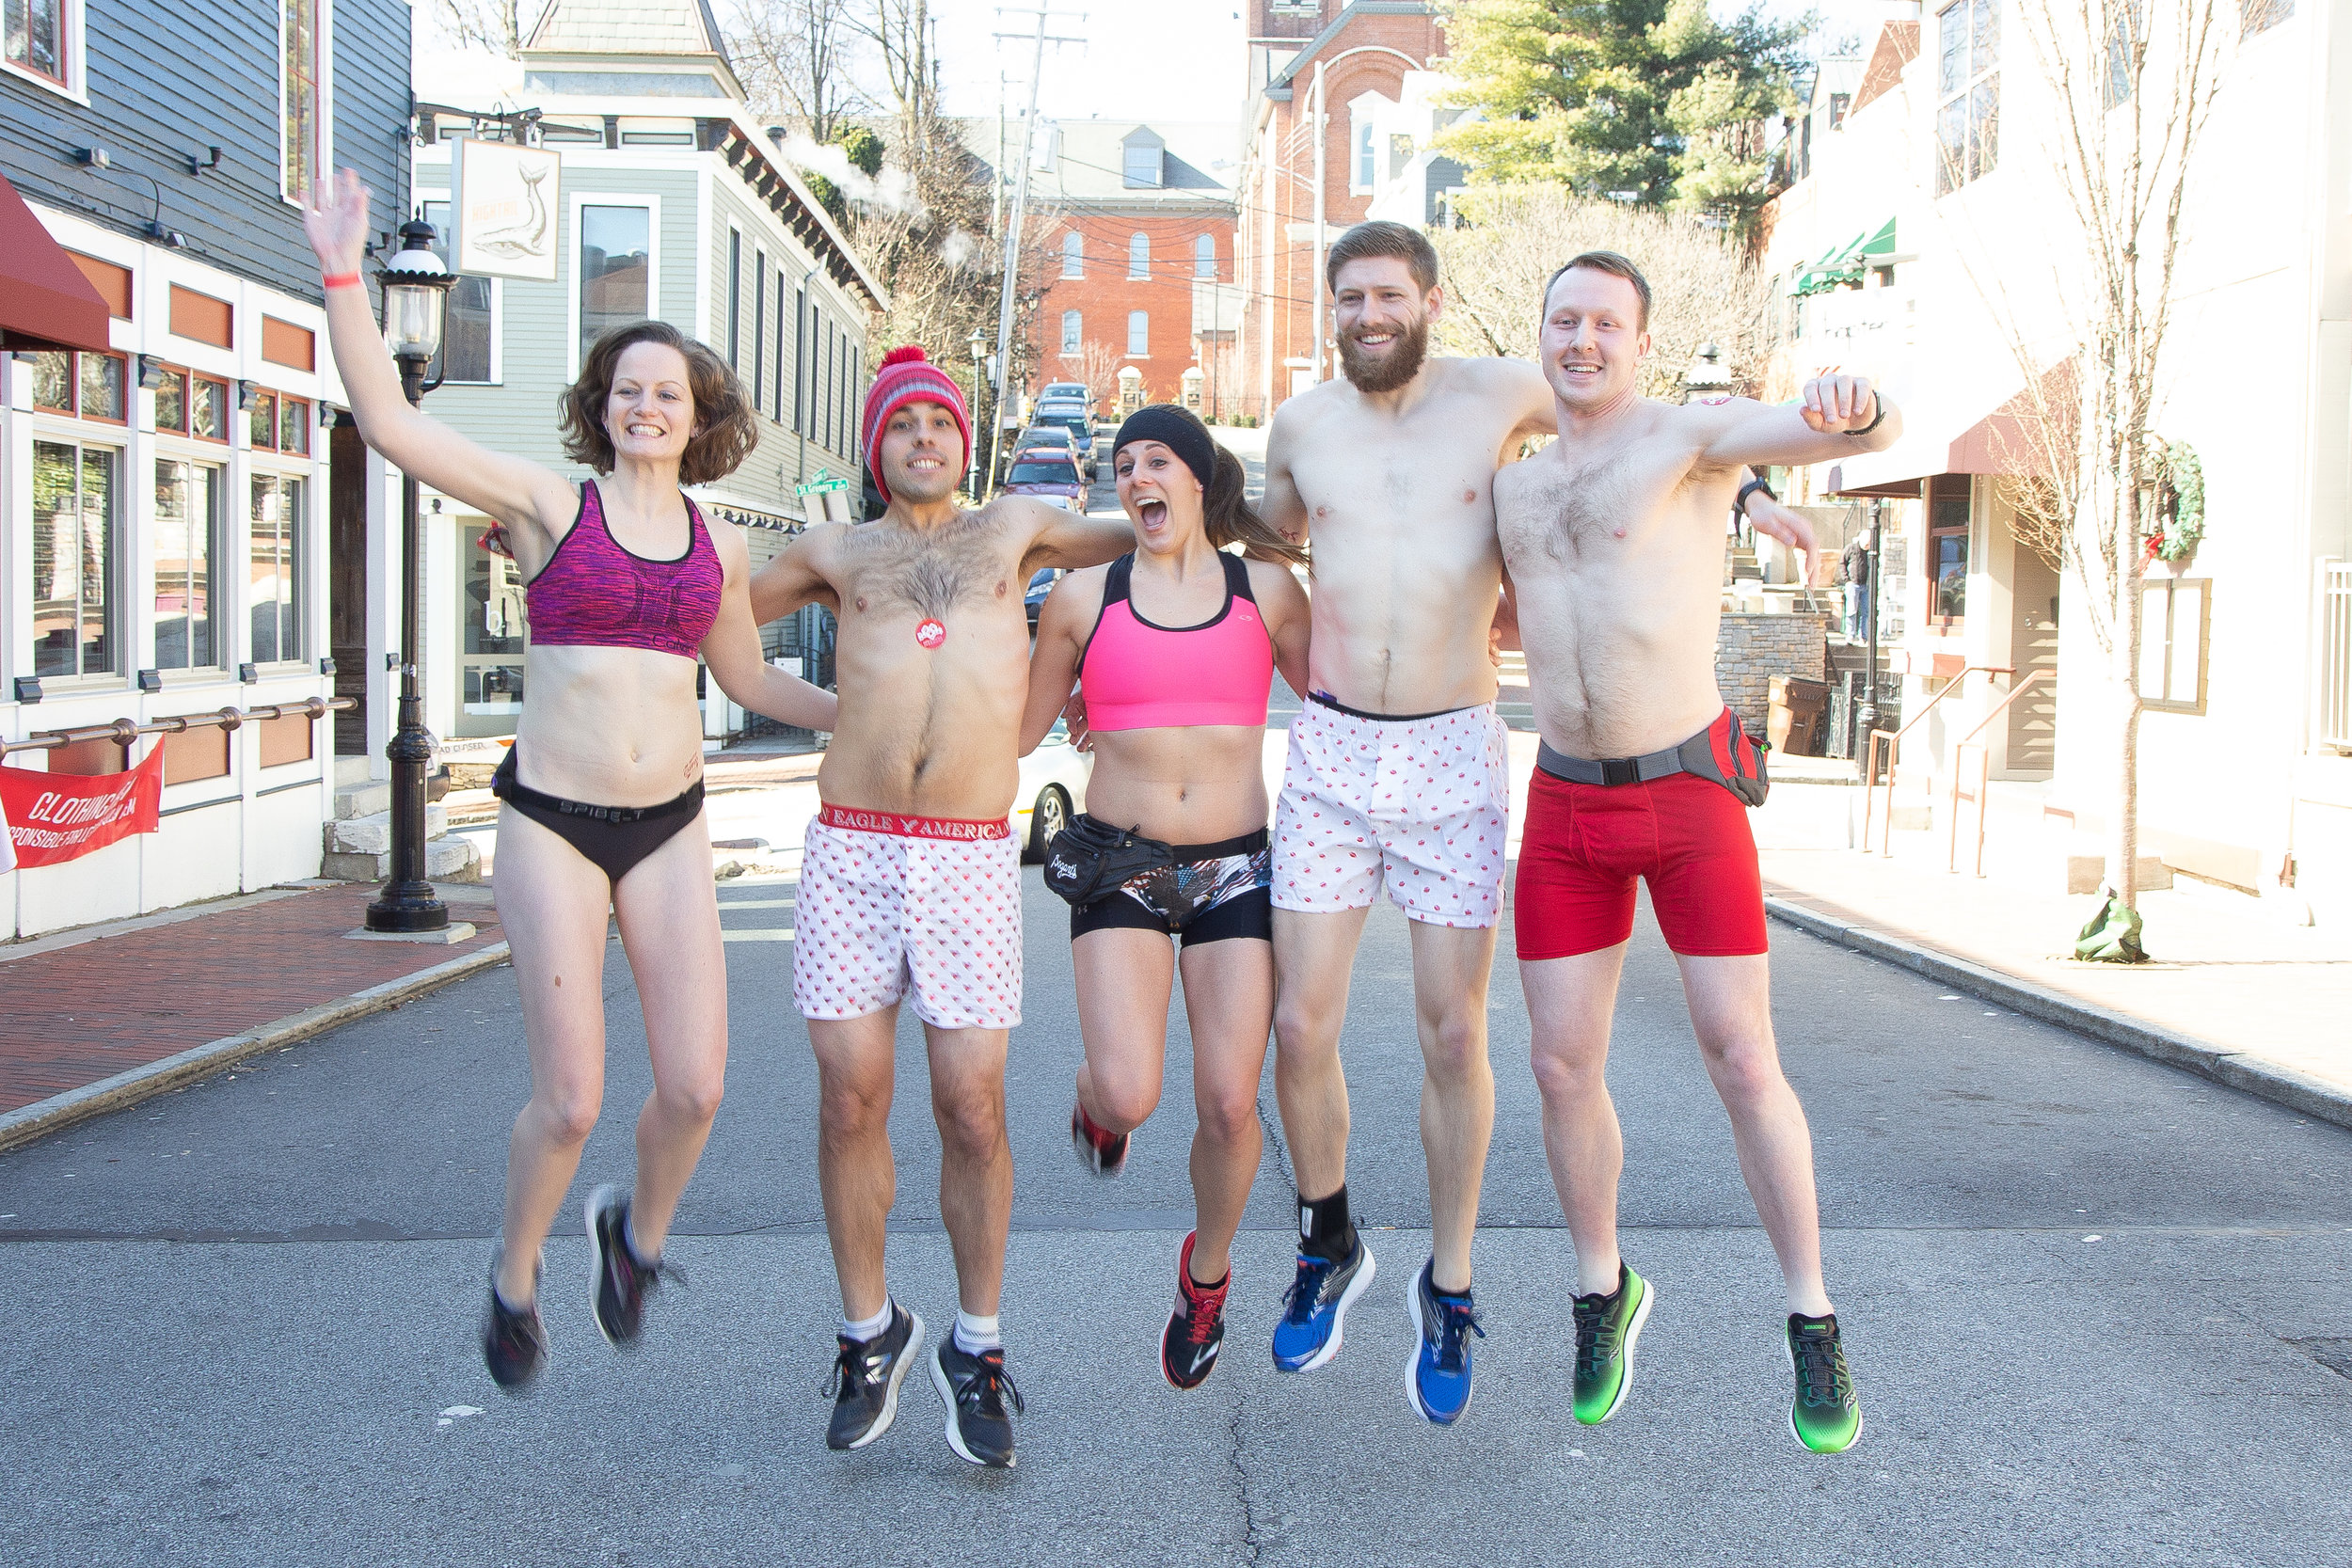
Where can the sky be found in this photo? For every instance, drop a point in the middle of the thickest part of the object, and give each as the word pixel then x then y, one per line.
pixel 1162 59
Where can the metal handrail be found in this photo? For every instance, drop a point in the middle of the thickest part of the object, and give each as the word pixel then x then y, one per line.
pixel 123 731
pixel 1984 772
pixel 1894 739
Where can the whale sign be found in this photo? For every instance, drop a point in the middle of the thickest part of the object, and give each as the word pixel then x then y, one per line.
pixel 502 207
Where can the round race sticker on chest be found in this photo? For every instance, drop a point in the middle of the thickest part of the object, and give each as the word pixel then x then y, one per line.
pixel 929 633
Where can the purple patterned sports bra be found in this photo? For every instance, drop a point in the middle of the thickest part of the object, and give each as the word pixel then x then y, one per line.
pixel 593 592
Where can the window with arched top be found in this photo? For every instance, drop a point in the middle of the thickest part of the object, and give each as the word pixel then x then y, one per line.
pixel 1139 255
pixel 1073 256
pixel 1204 257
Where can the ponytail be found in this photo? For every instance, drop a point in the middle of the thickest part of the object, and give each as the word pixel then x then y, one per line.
pixel 1227 518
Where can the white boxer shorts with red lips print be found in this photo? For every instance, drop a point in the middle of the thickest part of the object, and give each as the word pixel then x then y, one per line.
pixel 891 903
pixel 1419 806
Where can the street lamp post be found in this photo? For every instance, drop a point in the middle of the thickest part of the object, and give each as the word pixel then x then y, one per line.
pixel 1865 718
pixel 416 291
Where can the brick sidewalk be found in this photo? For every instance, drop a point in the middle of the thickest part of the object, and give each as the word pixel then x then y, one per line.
pixel 77 1015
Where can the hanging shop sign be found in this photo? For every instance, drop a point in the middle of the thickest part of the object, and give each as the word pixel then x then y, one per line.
pixel 53 818
pixel 503 204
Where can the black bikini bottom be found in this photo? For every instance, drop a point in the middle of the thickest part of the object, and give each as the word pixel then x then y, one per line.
pixel 612 838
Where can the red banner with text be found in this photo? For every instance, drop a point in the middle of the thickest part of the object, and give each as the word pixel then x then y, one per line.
pixel 53 818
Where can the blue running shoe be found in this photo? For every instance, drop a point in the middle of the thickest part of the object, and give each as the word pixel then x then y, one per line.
pixel 1438 1379
pixel 1314 1307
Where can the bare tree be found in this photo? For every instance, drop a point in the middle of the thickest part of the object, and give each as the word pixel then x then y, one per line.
pixel 1098 367
pixel 1514 237
pixel 2128 88
pixel 497 25
pixel 900 32
pixel 797 59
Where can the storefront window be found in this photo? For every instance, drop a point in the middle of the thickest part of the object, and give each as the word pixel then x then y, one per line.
pixel 94 386
pixel 75 539
pixel 171 402
pixel 494 638
pixel 294 427
pixel 208 417
pixel 261 421
pixel 276 543
pixel 53 382
pixel 188 509
pixel 1948 550
pixel 615 270
pixel 103 393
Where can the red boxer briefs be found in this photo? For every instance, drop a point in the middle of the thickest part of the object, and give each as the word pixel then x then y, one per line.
pixel 1585 844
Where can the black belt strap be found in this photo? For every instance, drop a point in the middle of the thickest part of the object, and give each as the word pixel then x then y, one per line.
pixel 1610 771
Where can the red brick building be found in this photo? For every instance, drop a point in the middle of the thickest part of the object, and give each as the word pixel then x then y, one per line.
pixel 1359 51
pixel 1137 230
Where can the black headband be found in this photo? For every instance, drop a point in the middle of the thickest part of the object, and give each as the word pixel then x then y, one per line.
pixel 1172 428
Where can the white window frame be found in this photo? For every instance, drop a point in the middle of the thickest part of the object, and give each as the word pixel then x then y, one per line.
pixel 1963 97
pixel 734 298
pixel 1073 254
pixel 325 163
pixel 121 440
pixel 1138 256
pixel 570 277
pixel 1073 333
pixel 498 306
pixel 1364 156
pixel 1143 320
pixel 198 454
pixel 309 541
pixel 759 329
pixel 1205 251
pixel 76 40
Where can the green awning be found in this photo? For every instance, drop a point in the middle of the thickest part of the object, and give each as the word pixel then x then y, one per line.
pixel 1843 264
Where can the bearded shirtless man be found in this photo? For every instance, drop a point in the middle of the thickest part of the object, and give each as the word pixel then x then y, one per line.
pixel 1614 535
pixel 910 879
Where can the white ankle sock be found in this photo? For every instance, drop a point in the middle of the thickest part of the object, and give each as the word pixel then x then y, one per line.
pixel 867 1327
pixel 975 1335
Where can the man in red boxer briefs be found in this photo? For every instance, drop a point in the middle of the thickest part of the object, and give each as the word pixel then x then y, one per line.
pixel 911 878
pixel 1613 540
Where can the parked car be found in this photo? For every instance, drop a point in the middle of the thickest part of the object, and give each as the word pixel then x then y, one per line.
pixel 1074 420
pixel 1073 391
pixel 1050 474
pixel 1060 437
pixel 1053 790
pixel 1040 585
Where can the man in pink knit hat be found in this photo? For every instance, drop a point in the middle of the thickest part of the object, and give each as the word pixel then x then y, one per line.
pixel 910 879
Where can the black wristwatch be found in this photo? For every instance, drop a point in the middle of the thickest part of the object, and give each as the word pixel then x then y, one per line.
pixel 1878 415
pixel 1750 488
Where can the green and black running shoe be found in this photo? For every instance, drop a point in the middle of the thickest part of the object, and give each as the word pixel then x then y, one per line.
pixel 1606 1327
pixel 1825 1416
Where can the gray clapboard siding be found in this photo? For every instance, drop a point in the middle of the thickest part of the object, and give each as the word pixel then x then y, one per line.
pixel 166 83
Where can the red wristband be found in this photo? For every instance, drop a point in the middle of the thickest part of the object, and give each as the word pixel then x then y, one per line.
pixel 342 280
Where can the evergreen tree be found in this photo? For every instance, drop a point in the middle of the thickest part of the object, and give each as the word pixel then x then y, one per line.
pixel 1652 102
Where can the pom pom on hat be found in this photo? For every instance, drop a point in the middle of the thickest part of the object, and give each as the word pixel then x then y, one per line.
pixel 910 354
pixel 906 374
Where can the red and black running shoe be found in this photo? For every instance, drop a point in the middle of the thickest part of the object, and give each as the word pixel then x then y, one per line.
pixel 1102 1153
pixel 1195 1328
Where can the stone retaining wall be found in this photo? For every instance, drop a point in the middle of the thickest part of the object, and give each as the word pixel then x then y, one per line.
pixel 1755 648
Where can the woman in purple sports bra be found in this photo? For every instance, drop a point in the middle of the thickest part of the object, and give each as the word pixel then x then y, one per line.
pixel 628 586
pixel 1173 649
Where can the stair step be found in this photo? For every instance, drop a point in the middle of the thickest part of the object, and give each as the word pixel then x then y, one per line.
pixel 362 798
pixel 446 860
pixel 371 834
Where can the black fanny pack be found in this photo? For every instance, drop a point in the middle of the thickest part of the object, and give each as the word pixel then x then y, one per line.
pixel 1091 859
pixel 1721 753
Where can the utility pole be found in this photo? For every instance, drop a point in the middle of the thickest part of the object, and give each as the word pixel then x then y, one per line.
pixel 1012 229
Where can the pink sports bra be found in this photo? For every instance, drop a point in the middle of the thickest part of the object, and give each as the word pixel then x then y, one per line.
pixel 593 592
pixel 1136 676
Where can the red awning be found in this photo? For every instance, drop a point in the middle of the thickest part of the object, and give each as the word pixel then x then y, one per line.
pixel 2011 440
pixel 45 302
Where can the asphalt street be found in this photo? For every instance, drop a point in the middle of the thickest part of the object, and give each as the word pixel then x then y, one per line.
pixel 2099 1311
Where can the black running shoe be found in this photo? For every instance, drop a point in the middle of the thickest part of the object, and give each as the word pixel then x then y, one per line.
pixel 975 1390
pixel 1188 1345
pixel 865 1377
pixel 622 1283
pixel 513 1344
pixel 1102 1153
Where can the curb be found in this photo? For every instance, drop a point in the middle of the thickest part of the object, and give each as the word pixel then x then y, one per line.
pixel 44 1117
pixel 2253 1075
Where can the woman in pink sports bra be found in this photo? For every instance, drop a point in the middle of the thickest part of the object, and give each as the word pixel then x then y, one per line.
pixel 627 585
pixel 1173 649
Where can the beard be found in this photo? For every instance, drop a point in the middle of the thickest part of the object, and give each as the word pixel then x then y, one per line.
pixel 1369 373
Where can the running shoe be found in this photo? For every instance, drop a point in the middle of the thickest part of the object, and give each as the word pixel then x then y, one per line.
pixel 1195 1328
pixel 513 1344
pixel 1102 1153
pixel 975 1390
pixel 866 1378
pixel 622 1283
pixel 1606 1328
pixel 1825 1416
pixel 1437 1378
pixel 1315 1307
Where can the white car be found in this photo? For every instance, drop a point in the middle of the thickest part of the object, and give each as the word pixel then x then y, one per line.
pixel 1052 792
